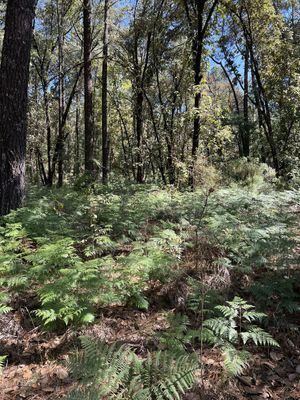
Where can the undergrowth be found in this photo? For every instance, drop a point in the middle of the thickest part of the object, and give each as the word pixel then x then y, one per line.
pixel 117 372
pixel 76 251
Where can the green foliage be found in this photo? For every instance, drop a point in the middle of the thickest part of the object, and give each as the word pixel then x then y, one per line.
pixel 235 361
pixel 117 372
pixel 4 307
pixel 251 173
pixel 234 329
pixel 278 292
pixel 179 335
pixel 69 252
pixel 252 227
pixel 77 251
pixel 2 362
pixel 202 299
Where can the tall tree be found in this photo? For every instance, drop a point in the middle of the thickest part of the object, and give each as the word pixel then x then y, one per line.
pixel 198 14
pixel 105 136
pixel 88 86
pixel 246 130
pixel 61 90
pixel 14 76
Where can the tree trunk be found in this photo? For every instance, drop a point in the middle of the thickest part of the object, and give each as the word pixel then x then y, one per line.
pixel 246 128
pixel 77 135
pixel 14 76
pixel 105 135
pixel 49 133
pixel 61 94
pixel 197 56
pixel 139 106
pixel 88 86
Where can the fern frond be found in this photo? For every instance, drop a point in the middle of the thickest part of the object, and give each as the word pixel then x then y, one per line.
pixel 253 315
pixel 119 374
pixel 2 362
pixel 259 336
pixel 235 361
pixel 228 312
pixel 4 309
pixel 223 328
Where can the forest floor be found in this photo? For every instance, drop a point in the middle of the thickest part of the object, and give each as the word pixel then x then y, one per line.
pixel 36 368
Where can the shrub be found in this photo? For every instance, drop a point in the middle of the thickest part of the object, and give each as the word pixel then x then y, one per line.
pixel 251 173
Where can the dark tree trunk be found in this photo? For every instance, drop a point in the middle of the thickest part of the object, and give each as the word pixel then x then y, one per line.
pixel 77 133
pixel 139 107
pixel 199 26
pixel 88 87
pixel 262 101
pixel 49 133
pixel 61 94
pixel 197 55
pixel 246 128
pixel 105 135
pixel 14 76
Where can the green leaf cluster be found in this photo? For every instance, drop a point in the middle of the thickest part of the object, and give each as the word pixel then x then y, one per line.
pixel 118 373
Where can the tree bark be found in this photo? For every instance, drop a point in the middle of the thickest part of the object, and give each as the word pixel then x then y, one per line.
pixel 14 77
pixel 197 47
pixel 246 128
pixel 139 111
pixel 61 95
pixel 105 134
pixel 198 30
pixel 88 87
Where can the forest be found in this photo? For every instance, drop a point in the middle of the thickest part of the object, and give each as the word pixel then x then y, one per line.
pixel 150 199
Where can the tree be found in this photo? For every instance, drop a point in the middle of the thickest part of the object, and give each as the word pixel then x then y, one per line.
pixel 14 76
pixel 199 15
pixel 56 51
pixel 88 86
pixel 105 136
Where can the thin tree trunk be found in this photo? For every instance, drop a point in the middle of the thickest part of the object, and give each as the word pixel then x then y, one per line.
pixel 61 94
pixel 14 77
pixel 139 107
pixel 77 133
pixel 197 55
pixel 105 135
pixel 49 180
pixel 246 130
pixel 88 87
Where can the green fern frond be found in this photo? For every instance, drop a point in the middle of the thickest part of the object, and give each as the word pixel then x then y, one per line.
pixel 223 328
pixel 235 361
pixel 253 315
pixel 118 373
pixel 2 362
pixel 259 336
pixel 4 309
pixel 228 312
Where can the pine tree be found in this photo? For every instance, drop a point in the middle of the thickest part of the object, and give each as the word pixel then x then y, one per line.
pixel 14 76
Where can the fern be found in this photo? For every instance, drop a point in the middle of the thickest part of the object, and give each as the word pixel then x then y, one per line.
pixel 259 337
pixel 117 372
pixel 234 328
pixel 4 299
pixel 2 362
pixel 235 361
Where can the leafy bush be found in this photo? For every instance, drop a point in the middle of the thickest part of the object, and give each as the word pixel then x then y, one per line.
pixel 206 176
pixel 251 173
